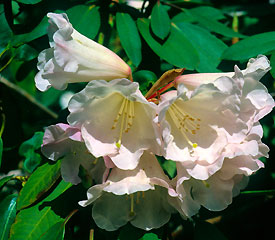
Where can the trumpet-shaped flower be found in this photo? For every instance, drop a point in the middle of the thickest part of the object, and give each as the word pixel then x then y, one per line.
pixel 74 58
pixel 255 102
pixel 217 191
pixel 138 196
pixel 115 120
pixel 194 126
pixel 65 142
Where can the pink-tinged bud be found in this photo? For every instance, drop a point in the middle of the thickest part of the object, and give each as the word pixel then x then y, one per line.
pixel 73 57
pixel 191 81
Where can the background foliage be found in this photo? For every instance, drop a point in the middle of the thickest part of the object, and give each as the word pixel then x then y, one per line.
pixel 199 35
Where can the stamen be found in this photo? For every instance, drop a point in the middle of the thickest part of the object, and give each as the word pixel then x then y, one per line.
pixel 143 194
pixel 138 195
pixel 119 113
pixel 178 124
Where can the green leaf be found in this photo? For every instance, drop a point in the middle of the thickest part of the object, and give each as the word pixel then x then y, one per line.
pixel 5 33
pixel 4 180
pixel 33 223
pixel 39 182
pixel 272 64
pixel 160 21
pixel 37 32
pixel 129 37
pixel 215 26
pixel 176 50
pixel 27 149
pixel 145 78
pixel 150 236
pixel 204 43
pixel 205 231
pixel 208 12
pixel 25 53
pixel 250 47
pixel 29 1
pixel 7 215
pixel 170 167
pixel 85 19
pixel 1 150
pixel 55 232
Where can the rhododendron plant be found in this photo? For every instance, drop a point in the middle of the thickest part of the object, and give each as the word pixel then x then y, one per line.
pixel 144 130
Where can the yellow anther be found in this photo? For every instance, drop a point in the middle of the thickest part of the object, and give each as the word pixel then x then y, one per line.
pixel 125 115
pixel 195 145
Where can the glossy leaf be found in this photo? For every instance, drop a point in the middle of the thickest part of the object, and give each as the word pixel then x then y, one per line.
pixel 85 19
pixel 250 47
pixel 7 215
pixel 4 180
pixel 29 1
pixel 150 236
pixel 34 222
pixel 272 64
pixel 208 12
pixel 160 21
pixel 145 78
pixel 170 167
pixel 129 37
pixel 215 26
pixel 1 150
pixel 55 232
pixel 176 50
pixel 39 182
pixel 5 33
pixel 39 31
pixel 27 149
pixel 25 53
pixel 209 47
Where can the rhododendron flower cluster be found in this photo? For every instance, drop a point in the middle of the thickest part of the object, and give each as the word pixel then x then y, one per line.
pixel 209 127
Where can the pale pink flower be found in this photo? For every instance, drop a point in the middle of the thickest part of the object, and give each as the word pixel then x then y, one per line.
pixel 216 192
pixel 194 126
pixel 115 120
pixel 64 142
pixel 138 196
pixel 73 57
pixel 255 102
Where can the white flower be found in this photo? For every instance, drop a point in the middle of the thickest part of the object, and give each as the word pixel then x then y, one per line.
pixel 74 58
pixel 115 120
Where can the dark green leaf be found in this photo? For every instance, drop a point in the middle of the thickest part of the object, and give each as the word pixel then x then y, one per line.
pixel 145 79
pixel 204 43
pixel 150 236
pixel 250 47
pixel 205 231
pixel 7 215
pixel 170 167
pixel 272 64
pixel 37 32
pixel 29 1
pixel 85 19
pixel 129 37
pixel 25 53
pixel 160 21
pixel 27 149
pixel 208 12
pixel 39 182
pixel 4 180
pixel 1 150
pixel 176 50
pixel 34 222
pixel 215 26
pixel 55 232
pixel 5 33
